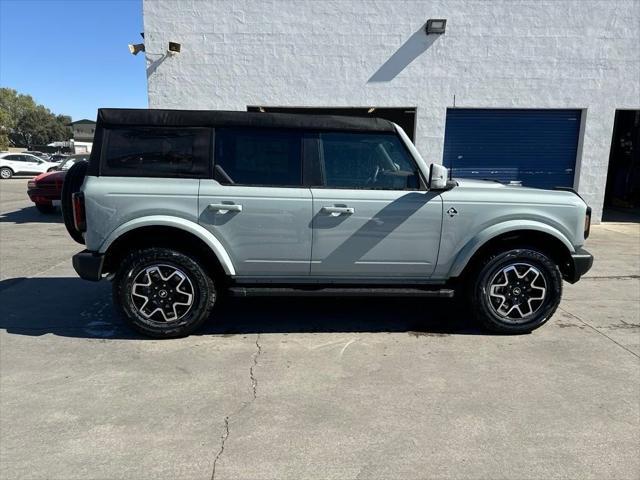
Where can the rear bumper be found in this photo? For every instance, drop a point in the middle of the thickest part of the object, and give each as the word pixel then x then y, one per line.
pixel 580 263
pixel 88 265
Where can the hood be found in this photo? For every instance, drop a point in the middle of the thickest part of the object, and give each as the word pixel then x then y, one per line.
pixel 493 190
pixel 473 183
pixel 50 177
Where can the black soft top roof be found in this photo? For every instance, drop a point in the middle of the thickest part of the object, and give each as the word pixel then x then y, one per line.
pixel 112 117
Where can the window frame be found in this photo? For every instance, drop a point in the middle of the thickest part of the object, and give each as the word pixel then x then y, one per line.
pixel 422 184
pixel 106 133
pixel 302 134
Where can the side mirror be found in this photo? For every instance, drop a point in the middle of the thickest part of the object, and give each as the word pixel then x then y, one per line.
pixel 438 177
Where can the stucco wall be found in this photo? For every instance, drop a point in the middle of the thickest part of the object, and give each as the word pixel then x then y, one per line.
pixel 524 54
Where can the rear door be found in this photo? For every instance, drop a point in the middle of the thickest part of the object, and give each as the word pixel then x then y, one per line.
pixel 256 204
pixel 14 162
pixel 373 216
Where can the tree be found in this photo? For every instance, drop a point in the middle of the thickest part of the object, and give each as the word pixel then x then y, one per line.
pixel 24 123
pixel 4 130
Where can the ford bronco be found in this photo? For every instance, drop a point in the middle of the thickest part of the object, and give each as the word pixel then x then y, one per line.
pixel 176 207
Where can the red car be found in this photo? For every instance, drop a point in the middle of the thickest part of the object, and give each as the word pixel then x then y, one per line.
pixel 45 190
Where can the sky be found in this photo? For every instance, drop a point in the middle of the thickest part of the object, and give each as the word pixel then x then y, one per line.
pixel 72 55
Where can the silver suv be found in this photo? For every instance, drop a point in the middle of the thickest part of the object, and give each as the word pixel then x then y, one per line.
pixel 176 207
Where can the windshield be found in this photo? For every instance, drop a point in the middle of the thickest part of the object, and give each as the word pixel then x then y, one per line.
pixel 67 163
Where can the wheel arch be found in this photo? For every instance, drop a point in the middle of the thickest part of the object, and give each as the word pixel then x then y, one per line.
pixel 181 234
pixel 543 237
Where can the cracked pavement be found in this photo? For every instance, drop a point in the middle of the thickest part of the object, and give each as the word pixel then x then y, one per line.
pixel 227 419
pixel 311 388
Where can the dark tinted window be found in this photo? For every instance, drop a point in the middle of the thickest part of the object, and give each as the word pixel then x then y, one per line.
pixel 157 152
pixel 14 158
pixel 253 156
pixel 365 160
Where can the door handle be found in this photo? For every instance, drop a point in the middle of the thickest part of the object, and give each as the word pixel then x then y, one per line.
pixel 225 207
pixel 338 210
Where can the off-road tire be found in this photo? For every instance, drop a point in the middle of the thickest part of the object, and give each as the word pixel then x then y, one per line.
pixel 45 208
pixel 479 297
pixel 72 182
pixel 6 173
pixel 204 292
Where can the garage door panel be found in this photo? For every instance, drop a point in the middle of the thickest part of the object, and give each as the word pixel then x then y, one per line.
pixel 536 147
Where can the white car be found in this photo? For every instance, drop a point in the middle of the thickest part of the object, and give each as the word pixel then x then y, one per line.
pixel 22 163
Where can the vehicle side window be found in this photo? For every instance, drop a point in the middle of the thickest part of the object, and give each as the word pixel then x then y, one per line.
pixel 14 158
pixel 254 156
pixel 367 161
pixel 157 152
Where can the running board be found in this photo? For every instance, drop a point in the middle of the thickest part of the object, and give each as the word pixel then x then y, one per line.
pixel 339 292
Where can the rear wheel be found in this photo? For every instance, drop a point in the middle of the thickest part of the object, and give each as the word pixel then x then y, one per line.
pixel 6 173
pixel 163 293
pixel 45 207
pixel 516 291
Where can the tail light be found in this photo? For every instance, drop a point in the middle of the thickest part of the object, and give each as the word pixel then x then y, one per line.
pixel 587 223
pixel 79 214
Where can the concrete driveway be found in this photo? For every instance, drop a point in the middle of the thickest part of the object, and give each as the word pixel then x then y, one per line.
pixel 321 389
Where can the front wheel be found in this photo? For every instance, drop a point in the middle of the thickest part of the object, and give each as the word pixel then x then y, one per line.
pixel 516 291
pixel 163 293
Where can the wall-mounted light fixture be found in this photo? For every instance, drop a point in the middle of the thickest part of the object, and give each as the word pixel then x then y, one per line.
pixel 136 48
pixel 174 48
pixel 436 25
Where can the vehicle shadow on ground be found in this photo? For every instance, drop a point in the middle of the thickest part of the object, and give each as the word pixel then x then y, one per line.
pixel 31 215
pixel 72 307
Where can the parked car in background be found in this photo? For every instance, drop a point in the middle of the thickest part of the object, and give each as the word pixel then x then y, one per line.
pixel 22 164
pixel 57 157
pixel 68 162
pixel 42 155
pixel 45 190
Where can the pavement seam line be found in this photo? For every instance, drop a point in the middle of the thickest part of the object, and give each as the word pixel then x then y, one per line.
pixel 611 277
pixel 254 395
pixel 601 333
pixel 37 274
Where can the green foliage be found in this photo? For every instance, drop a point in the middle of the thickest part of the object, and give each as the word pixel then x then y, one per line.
pixel 24 123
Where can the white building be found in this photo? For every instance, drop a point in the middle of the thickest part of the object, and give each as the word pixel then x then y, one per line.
pixel 512 90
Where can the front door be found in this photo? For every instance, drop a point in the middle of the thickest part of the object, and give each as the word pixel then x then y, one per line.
pixel 373 217
pixel 32 164
pixel 256 205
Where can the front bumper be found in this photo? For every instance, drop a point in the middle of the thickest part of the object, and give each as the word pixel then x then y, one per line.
pixel 43 194
pixel 579 264
pixel 88 265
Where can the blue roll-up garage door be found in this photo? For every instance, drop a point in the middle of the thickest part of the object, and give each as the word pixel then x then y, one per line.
pixel 537 147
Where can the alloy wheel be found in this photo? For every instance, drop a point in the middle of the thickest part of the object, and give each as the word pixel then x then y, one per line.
pixel 517 291
pixel 162 293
